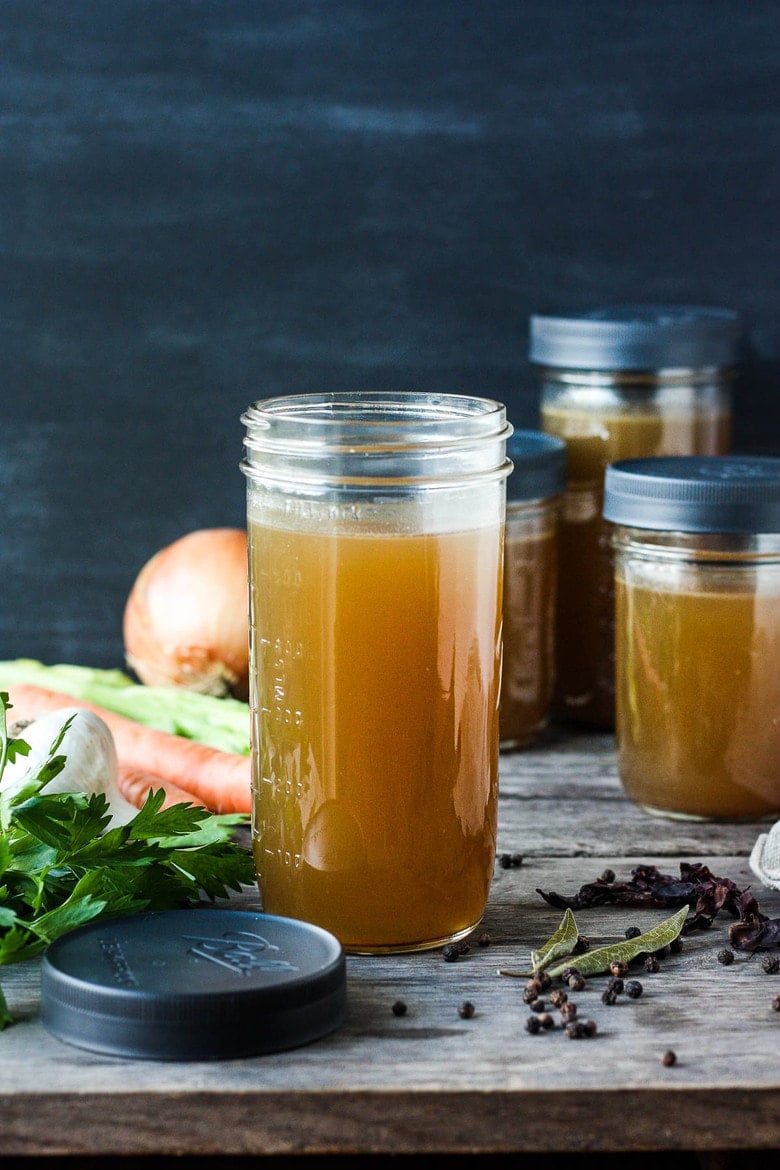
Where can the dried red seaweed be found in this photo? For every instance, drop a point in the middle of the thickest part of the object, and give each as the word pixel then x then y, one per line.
pixel 697 886
pixel 755 933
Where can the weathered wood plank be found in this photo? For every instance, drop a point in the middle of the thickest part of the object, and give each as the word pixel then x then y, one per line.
pixel 431 1081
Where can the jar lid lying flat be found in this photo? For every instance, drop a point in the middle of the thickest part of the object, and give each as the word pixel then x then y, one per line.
pixel 695 493
pixel 197 984
pixel 637 337
pixel 539 465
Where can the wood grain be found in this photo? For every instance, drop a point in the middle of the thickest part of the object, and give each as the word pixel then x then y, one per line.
pixel 433 1082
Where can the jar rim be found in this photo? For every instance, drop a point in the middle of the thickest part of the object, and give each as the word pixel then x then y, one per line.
pixel 406 416
pixel 373 437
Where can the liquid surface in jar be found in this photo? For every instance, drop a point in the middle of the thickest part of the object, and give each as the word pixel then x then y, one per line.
pixel 584 657
pixel 698 700
pixel 529 621
pixel 377 663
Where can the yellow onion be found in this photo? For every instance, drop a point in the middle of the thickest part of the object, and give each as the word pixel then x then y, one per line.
pixel 186 621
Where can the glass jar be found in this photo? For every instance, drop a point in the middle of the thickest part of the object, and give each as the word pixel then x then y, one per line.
pixel 534 492
pixel 697 634
pixel 376 540
pixel 620 383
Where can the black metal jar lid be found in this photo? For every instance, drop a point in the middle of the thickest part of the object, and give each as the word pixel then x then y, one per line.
pixel 637 337
pixel 539 461
pixel 197 984
pixel 690 493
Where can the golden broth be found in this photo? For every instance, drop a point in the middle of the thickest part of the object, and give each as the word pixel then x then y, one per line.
pixel 584 663
pixel 375 698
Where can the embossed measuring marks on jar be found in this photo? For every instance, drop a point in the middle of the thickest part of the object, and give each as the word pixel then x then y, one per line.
pixel 375 548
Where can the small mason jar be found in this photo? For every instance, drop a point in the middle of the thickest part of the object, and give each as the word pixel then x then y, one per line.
pixel 534 491
pixel 697 634
pixel 620 383
pixel 376 541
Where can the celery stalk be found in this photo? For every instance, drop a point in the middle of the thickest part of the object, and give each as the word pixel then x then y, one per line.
pixel 219 722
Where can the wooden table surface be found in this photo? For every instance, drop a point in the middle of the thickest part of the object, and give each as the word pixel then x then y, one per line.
pixel 430 1081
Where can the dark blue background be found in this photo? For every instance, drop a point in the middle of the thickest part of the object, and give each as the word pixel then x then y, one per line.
pixel 202 203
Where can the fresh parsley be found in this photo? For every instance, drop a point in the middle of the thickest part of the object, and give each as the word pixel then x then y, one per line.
pixel 60 868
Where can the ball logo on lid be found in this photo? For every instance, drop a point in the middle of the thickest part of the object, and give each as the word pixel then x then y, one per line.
pixel 241 951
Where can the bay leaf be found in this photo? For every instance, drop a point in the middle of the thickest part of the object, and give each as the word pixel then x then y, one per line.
pixel 595 961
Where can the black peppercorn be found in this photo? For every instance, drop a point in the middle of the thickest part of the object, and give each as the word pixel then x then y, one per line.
pixel 676 945
pixel 652 965
pixel 533 1025
pixel 576 981
pixel 558 997
pixel 531 992
pixel 453 951
pixel 484 939
pixel 582 944
pixel 466 1009
pixel 770 964
pixel 633 932
pixel 669 1058
pixel 634 989
pixel 616 984
pixel 537 1005
pixel 580 1029
pixel 399 1008
pixel 618 968
pixel 568 1010
pixel 776 1004
pixel 544 979
pixel 546 1020
pixel 607 876
pixel 609 996
pixel 726 957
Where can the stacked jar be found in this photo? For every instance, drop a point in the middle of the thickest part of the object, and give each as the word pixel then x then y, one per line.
pixel 533 496
pixel 620 383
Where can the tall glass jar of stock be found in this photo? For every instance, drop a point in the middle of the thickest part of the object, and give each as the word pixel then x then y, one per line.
pixel 376 540
pixel 533 498
pixel 697 624
pixel 620 383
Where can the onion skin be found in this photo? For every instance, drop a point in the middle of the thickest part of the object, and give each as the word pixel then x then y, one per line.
pixel 186 620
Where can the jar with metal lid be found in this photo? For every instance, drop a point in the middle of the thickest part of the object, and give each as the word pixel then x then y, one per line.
pixel 620 383
pixel 376 541
pixel 697 634
pixel 534 491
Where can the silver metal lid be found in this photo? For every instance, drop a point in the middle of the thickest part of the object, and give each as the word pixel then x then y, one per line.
pixel 539 466
pixel 690 493
pixel 637 337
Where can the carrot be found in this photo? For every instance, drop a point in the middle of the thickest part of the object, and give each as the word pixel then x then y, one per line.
pixel 135 785
pixel 219 781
